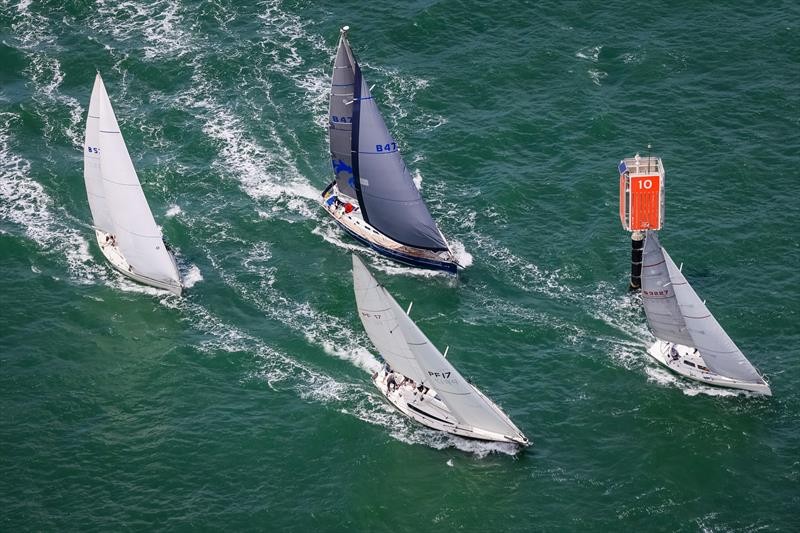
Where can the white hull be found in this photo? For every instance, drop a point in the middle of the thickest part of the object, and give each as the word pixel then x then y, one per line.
pixel 117 260
pixel 426 408
pixel 690 364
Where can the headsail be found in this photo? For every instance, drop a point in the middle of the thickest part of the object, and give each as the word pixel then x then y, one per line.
pixel 387 195
pixel 717 349
pixel 136 232
pixel 91 163
pixel 433 370
pixel 676 314
pixel 658 296
pixel 340 117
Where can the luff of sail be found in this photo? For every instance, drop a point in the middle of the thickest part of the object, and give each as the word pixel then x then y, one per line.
pixel 658 296
pixel 340 117
pixel 137 235
pixel 387 195
pixel 464 402
pixel 91 163
pixel 717 349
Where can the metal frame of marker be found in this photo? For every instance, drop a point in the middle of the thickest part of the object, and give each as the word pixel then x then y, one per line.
pixel 641 204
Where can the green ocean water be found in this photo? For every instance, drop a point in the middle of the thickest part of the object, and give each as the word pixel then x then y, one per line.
pixel 247 404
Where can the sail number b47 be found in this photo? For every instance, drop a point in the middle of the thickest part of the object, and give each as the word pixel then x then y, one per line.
pixel 388 147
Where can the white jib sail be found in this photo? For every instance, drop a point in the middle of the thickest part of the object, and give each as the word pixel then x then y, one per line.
pixel 91 163
pixel 397 334
pixel 136 232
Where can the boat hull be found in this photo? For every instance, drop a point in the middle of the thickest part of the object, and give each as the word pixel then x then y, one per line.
pixel 427 410
pixel 691 365
pixel 401 257
pixel 117 260
pixel 357 228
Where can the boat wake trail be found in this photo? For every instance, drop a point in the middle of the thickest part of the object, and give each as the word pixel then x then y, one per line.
pixel 26 205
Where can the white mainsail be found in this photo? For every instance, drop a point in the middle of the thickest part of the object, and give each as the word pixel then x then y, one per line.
pixel 697 327
pixel 397 337
pixel 91 163
pixel 136 232
pixel 381 325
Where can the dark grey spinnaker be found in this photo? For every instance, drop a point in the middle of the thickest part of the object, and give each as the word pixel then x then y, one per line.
pixel 697 326
pixel 386 193
pixel 340 117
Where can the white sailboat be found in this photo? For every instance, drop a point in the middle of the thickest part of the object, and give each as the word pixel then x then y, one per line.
pixel 689 340
pixel 373 197
pixel 417 379
pixel 126 232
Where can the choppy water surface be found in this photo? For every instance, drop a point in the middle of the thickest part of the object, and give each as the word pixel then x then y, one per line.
pixel 247 404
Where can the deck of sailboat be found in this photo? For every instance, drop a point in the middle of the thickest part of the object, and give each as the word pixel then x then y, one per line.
pixel 427 409
pixel 689 363
pixel 114 256
pixel 354 223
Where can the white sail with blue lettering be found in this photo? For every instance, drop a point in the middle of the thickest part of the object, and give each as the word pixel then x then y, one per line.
pixel 92 176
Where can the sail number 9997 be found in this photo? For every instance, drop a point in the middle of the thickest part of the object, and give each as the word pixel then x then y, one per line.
pixel 388 147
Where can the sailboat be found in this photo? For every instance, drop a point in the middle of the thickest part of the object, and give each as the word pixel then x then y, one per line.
pixel 373 197
pixel 417 379
pixel 689 340
pixel 124 227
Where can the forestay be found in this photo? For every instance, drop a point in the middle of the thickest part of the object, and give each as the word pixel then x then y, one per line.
pixel 717 349
pixel 136 232
pixel 433 370
pixel 389 199
pixel 340 117
pixel 91 163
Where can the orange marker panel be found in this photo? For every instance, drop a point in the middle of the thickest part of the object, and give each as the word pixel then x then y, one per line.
pixel 644 206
